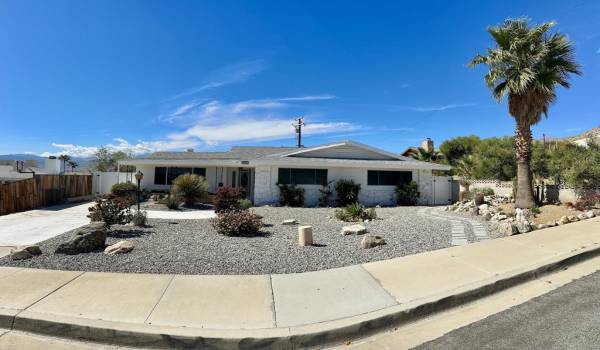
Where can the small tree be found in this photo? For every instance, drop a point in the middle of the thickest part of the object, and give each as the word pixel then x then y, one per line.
pixel 407 193
pixel 190 187
pixel 347 192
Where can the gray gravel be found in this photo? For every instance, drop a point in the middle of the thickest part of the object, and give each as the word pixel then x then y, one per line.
pixel 193 247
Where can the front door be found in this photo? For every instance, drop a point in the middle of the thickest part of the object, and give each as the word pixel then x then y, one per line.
pixel 245 181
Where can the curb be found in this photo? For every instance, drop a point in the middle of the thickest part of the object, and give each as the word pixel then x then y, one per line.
pixel 309 336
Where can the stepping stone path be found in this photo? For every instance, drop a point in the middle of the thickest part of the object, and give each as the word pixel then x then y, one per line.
pixel 458 233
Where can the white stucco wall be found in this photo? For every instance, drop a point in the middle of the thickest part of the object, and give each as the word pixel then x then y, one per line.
pixel 267 192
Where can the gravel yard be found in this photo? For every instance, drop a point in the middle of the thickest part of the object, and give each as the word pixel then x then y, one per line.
pixel 193 247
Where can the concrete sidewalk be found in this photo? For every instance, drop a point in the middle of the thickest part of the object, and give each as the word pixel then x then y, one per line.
pixel 34 226
pixel 280 311
pixel 181 215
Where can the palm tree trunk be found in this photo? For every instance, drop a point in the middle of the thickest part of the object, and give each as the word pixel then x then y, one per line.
pixel 524 198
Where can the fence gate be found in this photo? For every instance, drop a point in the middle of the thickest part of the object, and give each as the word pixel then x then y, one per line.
pixel 442 190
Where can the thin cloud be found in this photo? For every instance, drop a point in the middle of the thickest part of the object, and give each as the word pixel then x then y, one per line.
pixel 598 52
pixel 424 109
pixel 233 74
pixel 139 148
pixel 404 86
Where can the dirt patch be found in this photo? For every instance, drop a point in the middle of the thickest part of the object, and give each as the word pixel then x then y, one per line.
pixel 552 212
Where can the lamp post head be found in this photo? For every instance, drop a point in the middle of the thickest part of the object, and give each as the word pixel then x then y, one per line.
pixel 139 176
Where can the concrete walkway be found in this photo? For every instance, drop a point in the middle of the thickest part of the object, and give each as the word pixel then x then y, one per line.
pixel 279 311
pixel 34 226
pixel 181 215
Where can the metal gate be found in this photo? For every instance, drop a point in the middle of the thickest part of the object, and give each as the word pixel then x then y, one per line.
pixel 442 190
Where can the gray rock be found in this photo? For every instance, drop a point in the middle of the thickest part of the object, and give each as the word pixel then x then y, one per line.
pixel 370 241
pixel 484 207
pixel 353 230
pixel 20 254
pixel 474 211
pixel 590 214
pixel 523 227
pixel 508 229
pixel 487 216
pixel 289 222
pixel 582 216
pixel 86 239
pixel 33 249
pixel 541 226
pixel 119 248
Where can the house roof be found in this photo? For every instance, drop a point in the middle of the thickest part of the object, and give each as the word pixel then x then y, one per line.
pixel 236 152
pixel 344 153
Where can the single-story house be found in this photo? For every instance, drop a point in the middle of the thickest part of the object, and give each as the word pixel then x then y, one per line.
pixel 260 169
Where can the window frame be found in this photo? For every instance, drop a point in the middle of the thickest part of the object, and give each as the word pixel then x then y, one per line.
pixel 404 176
pixel 319 176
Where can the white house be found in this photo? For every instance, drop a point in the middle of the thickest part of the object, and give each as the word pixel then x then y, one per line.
pixel 260 169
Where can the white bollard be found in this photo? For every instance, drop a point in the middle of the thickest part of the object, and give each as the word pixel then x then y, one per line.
pixel 305 236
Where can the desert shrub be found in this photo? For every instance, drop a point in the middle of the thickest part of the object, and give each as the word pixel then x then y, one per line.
pixel 407 193
pixel 244 204
pixel 171 201
pixel 487 191
pixel 124 189
pixel 347 192
pixel 586 202
pixel 111 210
pixel 227 198
pixel 140 218
pixel 535 210
pixel 190 187
pixel 240 223
pixel 355 212
pixel 291 195
pixel 325 195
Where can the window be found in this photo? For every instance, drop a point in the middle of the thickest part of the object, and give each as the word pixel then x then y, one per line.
pixel 160 175
pixel 200 171
pixel 165 176
pixel 288 176
pixel 388 178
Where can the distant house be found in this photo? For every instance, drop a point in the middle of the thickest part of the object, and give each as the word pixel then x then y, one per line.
pixel 260 169
pixel 427 145
pixel 12 172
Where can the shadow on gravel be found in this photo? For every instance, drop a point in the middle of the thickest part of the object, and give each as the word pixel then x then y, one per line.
pixel 126 233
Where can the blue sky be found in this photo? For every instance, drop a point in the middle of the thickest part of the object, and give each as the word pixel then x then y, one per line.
pixel 160 75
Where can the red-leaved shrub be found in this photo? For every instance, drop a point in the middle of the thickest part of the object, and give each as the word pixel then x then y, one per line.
pixel 242 223
pixel 227 198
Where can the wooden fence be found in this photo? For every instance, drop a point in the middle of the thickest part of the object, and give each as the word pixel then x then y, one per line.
pixel 42 191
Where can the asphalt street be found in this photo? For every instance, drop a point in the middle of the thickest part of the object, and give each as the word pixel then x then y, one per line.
pixel 566 318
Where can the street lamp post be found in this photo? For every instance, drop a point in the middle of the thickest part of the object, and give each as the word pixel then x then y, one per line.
pixel 138 176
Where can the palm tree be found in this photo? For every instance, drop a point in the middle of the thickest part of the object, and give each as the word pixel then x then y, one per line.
pixel 526 65
pixel 73 164
pixel 424 155
pixel 465 168
pixel 64 158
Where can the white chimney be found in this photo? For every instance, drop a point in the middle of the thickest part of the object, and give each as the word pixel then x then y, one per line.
pixel 52 165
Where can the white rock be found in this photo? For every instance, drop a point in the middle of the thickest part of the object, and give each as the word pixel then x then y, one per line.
pixel 289 222
pixel 582 216
pixel 370 241
pixel 590 214
pixel 353 230
pixel 119 248
pixel 487 216
pixel 564 220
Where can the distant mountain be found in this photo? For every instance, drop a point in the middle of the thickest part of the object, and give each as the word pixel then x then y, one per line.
pixel 582 139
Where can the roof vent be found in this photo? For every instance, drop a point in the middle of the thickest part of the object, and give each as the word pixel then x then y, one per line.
pixel 190 150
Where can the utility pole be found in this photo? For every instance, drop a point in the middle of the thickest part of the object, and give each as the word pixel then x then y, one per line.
pixel 298 126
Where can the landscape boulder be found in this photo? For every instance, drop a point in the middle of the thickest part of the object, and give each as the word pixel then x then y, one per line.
pixel 487 216
pixel 523 227
pixel 289 222
pixel 590 214
pixel 572 218
pixel 85 240
pixel 370 241
pixel 353 230
pixel 564 220
pixel 508 228
pixel 26 252
pixel 582 216
pixel 119 248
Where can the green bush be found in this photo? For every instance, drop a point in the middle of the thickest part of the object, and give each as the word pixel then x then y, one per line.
pixel 228 198
pixel 347 192
pixel 244 204
pixel 111 210
pixel 190 187
pixel 124 189
pixel 291 195
pixel 407 193
pixel 172 202
pixel 240 223
pixel 140 218
pixel 355 212
pixel 325 197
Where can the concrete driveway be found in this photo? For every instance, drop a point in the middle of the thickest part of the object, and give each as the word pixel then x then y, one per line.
pixel 37 225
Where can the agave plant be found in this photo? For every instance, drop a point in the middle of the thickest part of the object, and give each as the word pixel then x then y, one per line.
pixel 190 187
pixel 526 65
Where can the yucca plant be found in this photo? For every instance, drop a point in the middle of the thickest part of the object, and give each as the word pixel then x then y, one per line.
pixel 190 187
pixel 526 65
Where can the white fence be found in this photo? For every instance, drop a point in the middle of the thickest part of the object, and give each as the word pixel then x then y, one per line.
pixel 103 181
pixel 553 193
